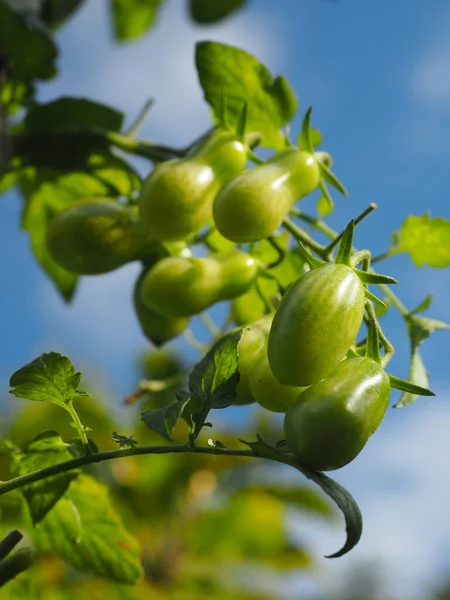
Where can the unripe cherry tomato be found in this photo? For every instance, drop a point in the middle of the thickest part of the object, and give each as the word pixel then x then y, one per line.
pixel 315 325
pixel 157 328
pixel 257 382
pixel 332 420
pixel 94 236
pixel 176 198
pixel 253 204
pixel 180 287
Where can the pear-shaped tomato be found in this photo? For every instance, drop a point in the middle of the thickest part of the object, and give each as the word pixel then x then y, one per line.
pixel 157 328
pixel 257 382
pixel 252 205
pixel 315 325
pixel 332 420
pixel 180 287
pixel 94 236
pixel 176 199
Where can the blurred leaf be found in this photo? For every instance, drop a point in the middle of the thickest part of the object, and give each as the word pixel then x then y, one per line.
pixel 49 378
pixel 13 94
pixel 215 377
pixel 46 450
pixel 206 12
pixel 419 328
pixel 229 71
pixel 426 240
pixel 55 12
pixel 325 206
pixel 30 51
pixel 301 497
pixel 85 531
pixel 423 305
pixel 132 18
pixel 417 375
pixel 66 113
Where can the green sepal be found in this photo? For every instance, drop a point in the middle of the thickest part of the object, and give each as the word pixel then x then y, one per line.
pixel 304 139
pixel 345 246
pixel 374 277
pixel 374 298
pixel 373 344
pixel 406 386
pixel 313 262
pixel 242 122
pixel 331 179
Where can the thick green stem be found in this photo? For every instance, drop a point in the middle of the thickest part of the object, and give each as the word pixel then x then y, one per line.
pixel 82 461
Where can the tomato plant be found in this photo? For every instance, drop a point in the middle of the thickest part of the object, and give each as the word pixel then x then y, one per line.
pixel 213 225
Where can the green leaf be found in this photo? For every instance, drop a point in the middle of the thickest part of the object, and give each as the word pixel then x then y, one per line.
pixel 345 246
pixel 380 304
pixel 132 18
pixel 423 305
pixel 45 450
pixel 407 386
pixel 163 420
pixel 206 12
pixel 373 344
pixel 214 379
pixel 352 514
pixel 417 376
pixel 68 113
pixel 422 327
pixel 49 378
pixel 324 206
pixel 55 12
pixel 331 179
pixel 426 239
pixel 305 138
pixel 223 69
pixel 367 278
pixel 85 531
pixel 30 51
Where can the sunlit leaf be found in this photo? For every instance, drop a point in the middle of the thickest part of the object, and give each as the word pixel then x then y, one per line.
pixel 230 71
pixel 132 18
pixel 84 530
pixel 426 239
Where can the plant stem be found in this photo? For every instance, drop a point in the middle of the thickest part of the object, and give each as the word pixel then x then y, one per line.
pixel 136 124
pixel 208 321
pixel 358 220
pixel 82 461
pixel 301 236
pixel 387 346
pixel 281 252
pixel 138 147
pixel 394 299
pixel 79 427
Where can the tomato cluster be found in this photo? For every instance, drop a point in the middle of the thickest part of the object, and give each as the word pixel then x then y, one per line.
pixel 297 352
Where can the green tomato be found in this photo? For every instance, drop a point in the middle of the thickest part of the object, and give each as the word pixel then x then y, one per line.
pixel 180 287
pixel 253 339
pixel 248 308
pixel 95 236
pixel 176 199
pixel 332 421
pixel 253 204
pixel 265 388
pixel 157 328
pixel 315 325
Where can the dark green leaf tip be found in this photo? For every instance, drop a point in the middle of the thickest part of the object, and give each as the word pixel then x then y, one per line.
pixel 374 298
pixel 305 142
pixel 242 122
pixel 344 252
pixel 373 343
pixel 407 386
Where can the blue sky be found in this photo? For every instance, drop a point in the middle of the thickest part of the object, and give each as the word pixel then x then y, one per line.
pixel 377 77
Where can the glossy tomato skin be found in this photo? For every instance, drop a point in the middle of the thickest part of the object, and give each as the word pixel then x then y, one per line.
pixel 94 236
pixel 332 420
pixel 181 287
pixel 257 382
pixel 253 204
pixel 316 323
pixel 176 198
pixel 157 328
